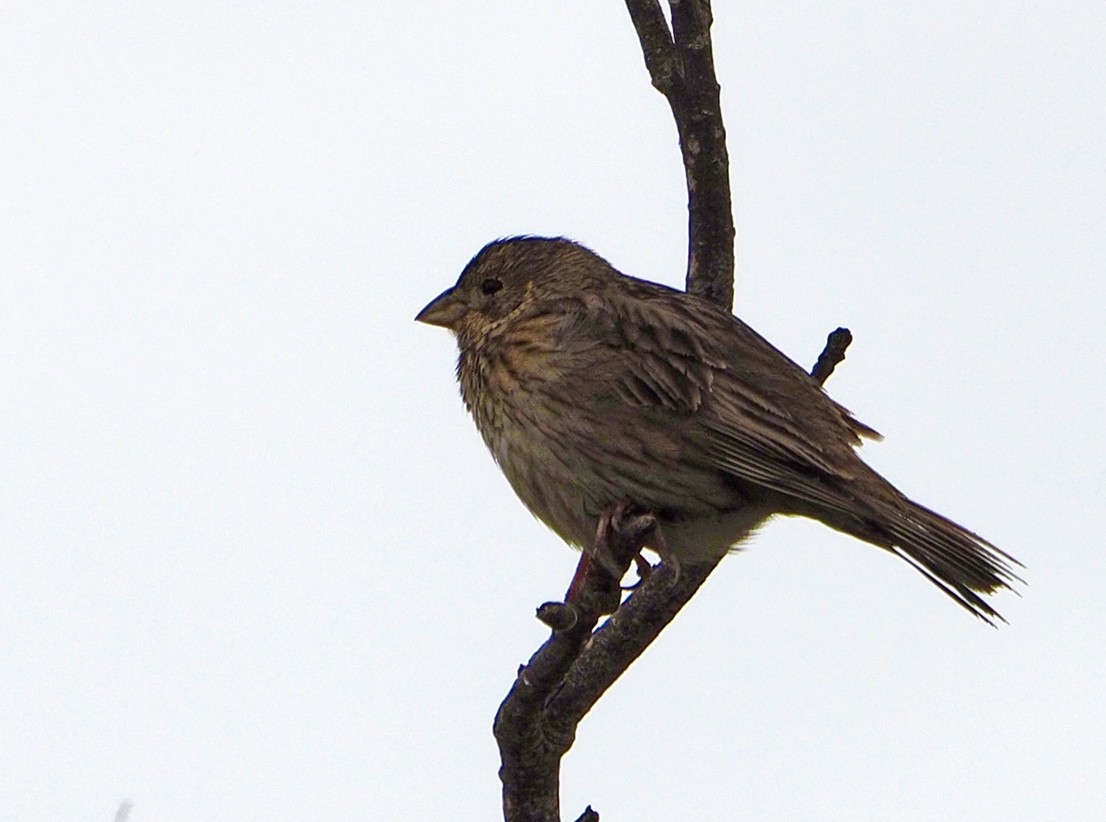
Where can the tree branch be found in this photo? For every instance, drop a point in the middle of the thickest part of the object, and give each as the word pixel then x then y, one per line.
pixel 656 43
pixel 532 732
pixel 681 66
pixel 536 724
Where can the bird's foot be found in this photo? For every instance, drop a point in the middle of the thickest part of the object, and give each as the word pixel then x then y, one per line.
pixel 622 532
pixel 644 571
pixel 620 535
pixel 593 588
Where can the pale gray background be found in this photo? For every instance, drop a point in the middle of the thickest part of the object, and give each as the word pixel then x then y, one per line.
pixel 256 564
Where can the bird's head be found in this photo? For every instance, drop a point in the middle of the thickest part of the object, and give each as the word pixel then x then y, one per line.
pixel 507 277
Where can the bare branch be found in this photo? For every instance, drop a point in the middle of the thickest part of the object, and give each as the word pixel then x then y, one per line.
pixel 656 43
pixel 681 65
pixel 622 639
pixel 536 724
pixel 532 736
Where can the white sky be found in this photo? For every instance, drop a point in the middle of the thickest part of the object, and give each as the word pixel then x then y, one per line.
pixel 255 562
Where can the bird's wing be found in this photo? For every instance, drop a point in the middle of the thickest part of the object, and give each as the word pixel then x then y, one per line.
pixel 743 407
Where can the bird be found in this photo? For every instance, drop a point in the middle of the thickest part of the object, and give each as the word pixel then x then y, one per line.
pixel 595 391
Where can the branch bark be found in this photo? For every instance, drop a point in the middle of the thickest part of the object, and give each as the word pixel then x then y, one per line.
pixel 681 65
pixel 536 724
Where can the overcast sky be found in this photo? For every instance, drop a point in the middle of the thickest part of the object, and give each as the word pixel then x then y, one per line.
pixel 255 563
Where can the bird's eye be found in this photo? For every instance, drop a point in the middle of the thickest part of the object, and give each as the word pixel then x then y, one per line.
pixel 490 286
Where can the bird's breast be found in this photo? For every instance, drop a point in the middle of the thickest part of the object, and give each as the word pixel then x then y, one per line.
pixel 517 387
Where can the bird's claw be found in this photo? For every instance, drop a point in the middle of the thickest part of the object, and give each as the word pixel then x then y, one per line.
pixel 620 534
pixel 644 571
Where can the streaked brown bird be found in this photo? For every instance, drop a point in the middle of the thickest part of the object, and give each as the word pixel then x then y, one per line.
pixel 595 390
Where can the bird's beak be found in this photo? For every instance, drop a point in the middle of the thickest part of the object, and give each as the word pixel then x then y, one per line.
pixel 444 310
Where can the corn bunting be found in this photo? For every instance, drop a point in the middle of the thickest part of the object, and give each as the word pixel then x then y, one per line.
pixel 594 391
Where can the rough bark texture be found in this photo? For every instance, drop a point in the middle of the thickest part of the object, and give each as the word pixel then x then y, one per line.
pixel 681 65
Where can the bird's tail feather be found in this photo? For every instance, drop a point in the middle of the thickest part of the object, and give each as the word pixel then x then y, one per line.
pixel 959 562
